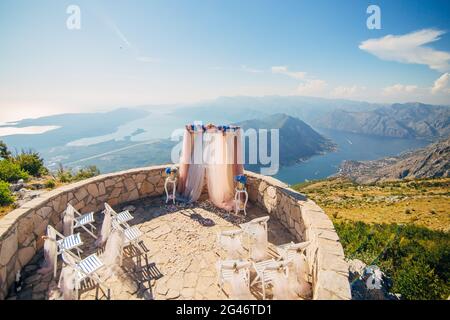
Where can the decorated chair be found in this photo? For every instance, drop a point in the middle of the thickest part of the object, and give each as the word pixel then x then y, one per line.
pixel 257 237
pixel 268 271
pixel 121 217
pixel 231 242
pixel 77 220
pixel 63 244
pixel 85 269
pixel 289 250
pixel 229 269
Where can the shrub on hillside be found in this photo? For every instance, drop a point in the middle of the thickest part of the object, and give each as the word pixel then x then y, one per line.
pixel 86 173
pixel 417 259
pixel 11 172
pixel 50 184
pixel 6 197
pixel 4 152
pixel 31 162
pixel 417 281
pixel 66 176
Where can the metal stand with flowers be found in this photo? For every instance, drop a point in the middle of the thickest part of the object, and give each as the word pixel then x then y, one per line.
pixel 171 179
pixel 241 191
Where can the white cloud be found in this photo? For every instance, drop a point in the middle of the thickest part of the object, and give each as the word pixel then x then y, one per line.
pixel 441 84
pixel 347 92
pixel 299 75
pixel 397 89
pixel 251 70
pixel 312 88
pixel 409 48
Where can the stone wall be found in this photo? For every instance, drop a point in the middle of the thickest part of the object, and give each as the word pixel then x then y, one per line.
pixel 21 230
pixel 306 221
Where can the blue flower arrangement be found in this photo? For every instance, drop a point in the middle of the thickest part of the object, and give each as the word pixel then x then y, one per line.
pixel 241 179
pixel 171 170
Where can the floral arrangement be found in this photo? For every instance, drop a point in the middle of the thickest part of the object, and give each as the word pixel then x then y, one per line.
pixel 241 181
pixel 171 171
pixel 202 128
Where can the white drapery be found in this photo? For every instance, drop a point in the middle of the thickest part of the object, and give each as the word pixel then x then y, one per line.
pixel 50 250
pixel 215 156
pixel 105 230
pixel 111 257
pixel 68 221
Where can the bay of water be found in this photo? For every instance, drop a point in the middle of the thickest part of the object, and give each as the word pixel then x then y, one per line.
pixel 350 147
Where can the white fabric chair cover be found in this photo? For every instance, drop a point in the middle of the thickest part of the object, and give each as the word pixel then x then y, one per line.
pixel 67 279
pixel 50 251
pixel 259 237
pixel 68 221
pixel 105 230
pixel 239 287
pixel 111 257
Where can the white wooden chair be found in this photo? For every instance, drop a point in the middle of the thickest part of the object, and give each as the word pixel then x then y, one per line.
pixel 87 268
pixel 230 235
pixel 72 242
pixel 267 270
pixel 122 217
pixel 289 250
pixel 251 227
pixel 226 268
pixel 82 220
pixel 132 234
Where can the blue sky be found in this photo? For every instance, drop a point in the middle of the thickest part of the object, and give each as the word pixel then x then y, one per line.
pixel 155 52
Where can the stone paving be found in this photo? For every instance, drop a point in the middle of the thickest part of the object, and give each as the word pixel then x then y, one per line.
pixel 176 260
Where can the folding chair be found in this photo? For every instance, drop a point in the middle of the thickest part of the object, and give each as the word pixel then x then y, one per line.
pixel 289 250
pixel 122 217
pixel 72 242
pixel 132 234
pixel 81 220
pixel 251 227
pixel 267 270
pixel 85 269
pixel 226 268
pixel 231 235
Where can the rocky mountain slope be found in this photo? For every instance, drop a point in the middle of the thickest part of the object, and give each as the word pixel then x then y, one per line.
pixel 298 140
pixel 410 120
pixel 430 162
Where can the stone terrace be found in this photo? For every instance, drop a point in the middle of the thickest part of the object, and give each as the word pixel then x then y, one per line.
pixel 170 238
pixel 177 260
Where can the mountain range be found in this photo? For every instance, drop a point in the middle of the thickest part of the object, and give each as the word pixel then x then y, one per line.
pixel 131 137
pixel 432 161
pixel 297 140
pixel 410 120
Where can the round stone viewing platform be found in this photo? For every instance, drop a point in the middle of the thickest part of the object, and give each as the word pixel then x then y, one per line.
pixel 181 250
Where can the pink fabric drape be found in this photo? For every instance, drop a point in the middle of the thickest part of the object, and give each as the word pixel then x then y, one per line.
pixel 238 159
pixel 219 171
pixel 185 160
pixel 196 171
pixel 215 154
